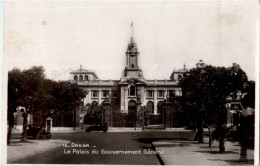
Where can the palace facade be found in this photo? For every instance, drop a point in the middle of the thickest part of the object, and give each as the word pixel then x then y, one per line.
pixel 131 87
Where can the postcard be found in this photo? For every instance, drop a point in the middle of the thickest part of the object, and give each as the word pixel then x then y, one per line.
pixel 130 82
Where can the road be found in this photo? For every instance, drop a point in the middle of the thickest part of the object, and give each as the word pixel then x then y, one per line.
pixel 136 142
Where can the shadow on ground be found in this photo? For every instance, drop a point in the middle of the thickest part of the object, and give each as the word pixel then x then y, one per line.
pixel 150 140
pixel 19 143
pixel 235 162
pixel 217 152
pixel 206 147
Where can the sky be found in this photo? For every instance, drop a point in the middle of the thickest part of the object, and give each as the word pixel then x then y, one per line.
pixel 1 40
pixel 62 35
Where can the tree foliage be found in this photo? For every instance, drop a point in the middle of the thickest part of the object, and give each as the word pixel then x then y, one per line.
pixel 31 89
pixel 206 87
pixel 94 113
pixel 67 95
pixel 26 88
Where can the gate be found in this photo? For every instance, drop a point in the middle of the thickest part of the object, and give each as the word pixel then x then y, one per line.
pixel 131 118
pixel 164 118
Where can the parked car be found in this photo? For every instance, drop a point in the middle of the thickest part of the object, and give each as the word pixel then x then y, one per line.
pixel 33 130
pixel 97 127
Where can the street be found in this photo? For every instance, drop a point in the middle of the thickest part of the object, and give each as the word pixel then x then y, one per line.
pixel 94 148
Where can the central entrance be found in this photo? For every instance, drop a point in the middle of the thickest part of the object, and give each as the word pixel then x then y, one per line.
pixel 131 113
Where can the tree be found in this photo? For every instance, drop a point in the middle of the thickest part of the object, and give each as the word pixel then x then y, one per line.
pixel 67 96
pixel 30 88
pixel 94 113
pixel 26 88
pixel 14 93
pixel 205 89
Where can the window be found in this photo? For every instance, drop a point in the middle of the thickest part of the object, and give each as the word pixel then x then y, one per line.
pixel 149 94
pixel 179 77
pixel 80 78
pixel 150 107
pixel 75 77
pixel 132 91
pixel 86 78
pixel 160 108
pixel 94 94
pixel 105 93
pixel 160 94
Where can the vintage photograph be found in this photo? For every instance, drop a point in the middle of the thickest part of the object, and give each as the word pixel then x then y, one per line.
pixel 130 82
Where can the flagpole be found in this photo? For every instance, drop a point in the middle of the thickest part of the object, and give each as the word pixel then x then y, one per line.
pixel 132 29
pixel 132 26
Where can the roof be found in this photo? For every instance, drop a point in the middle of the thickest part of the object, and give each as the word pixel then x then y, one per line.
pixel 84 71
pixel 183 70
pixel 81 71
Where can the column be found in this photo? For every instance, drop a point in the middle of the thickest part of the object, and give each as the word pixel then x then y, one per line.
pixel 134 60
pixel 125 100
pixel 155 101
pixel 122 95
pixel 89 96
pixel 155 108
pixel 143 95
pixel 136 57
pixel 110 95
pixel 51 124
pixel 99 96
pixel 165 93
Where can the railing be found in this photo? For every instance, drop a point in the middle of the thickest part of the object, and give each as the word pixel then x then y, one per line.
pixel 99 82
pixel 162 82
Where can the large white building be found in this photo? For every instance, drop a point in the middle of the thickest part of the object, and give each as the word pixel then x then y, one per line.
pixel 131 86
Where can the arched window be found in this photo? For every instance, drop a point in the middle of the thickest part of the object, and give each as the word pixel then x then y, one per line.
pixel 75 77
pixel 160 107
pixel 80 78
pixel 150 107
pixel 132 91
pixel 86 78
pixel 179 77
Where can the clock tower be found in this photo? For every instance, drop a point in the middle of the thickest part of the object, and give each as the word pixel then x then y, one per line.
pixel 132 69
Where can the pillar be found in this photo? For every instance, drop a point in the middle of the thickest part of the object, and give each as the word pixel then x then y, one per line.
pixel 110 95
pixel 99 96
pixel 165 93
pixel 155 102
